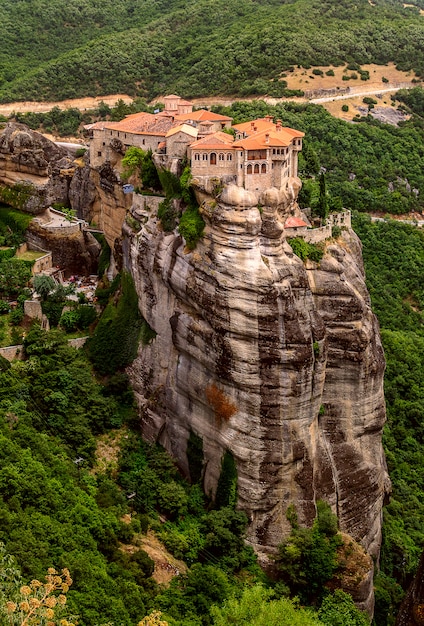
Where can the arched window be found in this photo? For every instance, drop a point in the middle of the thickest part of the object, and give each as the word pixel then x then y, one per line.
pixel 204 157
pixel 263 168
pixel 221 157
pixel 197 157
pixel 213 158
pixel 229 157
pixel 249 169
pixel 256 169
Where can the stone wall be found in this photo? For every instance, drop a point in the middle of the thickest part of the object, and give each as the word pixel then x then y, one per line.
pixel 12 352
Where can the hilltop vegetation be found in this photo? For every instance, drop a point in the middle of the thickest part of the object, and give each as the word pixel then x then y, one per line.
pixel 55 50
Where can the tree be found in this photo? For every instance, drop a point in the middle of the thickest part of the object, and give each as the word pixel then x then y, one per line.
pixel 308 557
pixel 256 607
pixel 43 285
pixel 338 609
pixel 322 209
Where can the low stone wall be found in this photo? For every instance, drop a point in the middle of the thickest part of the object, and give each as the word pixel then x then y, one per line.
pixel 315 235
pixel 147 203
pixel 78 342
pixel 12 353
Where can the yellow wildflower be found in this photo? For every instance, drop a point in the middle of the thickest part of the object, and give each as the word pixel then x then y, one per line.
pixel 34 602
pixel 65 587
pixel 61 599
pixel 51 602
pixel 35 584
pixel 24 606
pixel 11 607
pixel 51 570
pixel 49 613
pixel 25 590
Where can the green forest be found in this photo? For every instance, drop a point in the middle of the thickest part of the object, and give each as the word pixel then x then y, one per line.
pixel 53 50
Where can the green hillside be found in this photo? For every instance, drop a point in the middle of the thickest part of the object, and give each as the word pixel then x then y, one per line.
pixel 54 50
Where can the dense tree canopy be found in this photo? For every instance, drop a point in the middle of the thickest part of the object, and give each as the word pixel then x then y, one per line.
pixel 55 50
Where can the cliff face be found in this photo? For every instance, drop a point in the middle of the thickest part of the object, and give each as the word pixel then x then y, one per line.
pixel 30 158
pixel 275 360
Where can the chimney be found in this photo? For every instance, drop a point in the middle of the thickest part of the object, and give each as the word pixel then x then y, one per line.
pixel 267 138
pixel 279 125
pixel 252 125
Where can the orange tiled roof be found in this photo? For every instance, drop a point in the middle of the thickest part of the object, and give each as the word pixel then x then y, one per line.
pixel 214 141
pixel 203 115
pixel 143 124
pixel 263 124
pixel 265 139
pixel 294 222
pixel 258 125
pixel 184 128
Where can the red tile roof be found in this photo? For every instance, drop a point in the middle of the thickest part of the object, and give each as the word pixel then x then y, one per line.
pixel 265 139
pixel 294 222
pixel 264 124
pixel 260 124
pixel 214 141
pixel 203 115
pixel 143 124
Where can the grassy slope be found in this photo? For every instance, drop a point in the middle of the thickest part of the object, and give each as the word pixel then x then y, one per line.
pixel 54 50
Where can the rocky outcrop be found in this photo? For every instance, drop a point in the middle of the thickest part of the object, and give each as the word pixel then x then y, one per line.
pixel 32 169
pixel 76 253
pixel 277 361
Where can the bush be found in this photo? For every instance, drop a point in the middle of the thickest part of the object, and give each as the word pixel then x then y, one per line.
pixel 191 226
pixel 305 250
pixel 345 108
pixel 4 307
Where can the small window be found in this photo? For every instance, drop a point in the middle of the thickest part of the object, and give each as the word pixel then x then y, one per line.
pixel 249 169
pixel 256 170
pixel 204 157
pixel 213 158
pixel 221 157
pixel 104 143
pixel 99 154
pixel 144 141
pixel 197 157
pixel 111 132
pixel 273 151
pixel 263 168
pixel 229 157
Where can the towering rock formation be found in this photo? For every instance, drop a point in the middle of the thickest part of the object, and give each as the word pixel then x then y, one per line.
pixel 35 170
pixel 275 360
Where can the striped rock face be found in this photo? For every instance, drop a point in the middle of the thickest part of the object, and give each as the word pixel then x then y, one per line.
pixel 275 360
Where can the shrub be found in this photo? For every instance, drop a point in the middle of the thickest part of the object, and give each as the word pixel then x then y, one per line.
pixel 305 250
pixel 345 108
pixel 167 214
pixel 222 406
pixel 317 72
pixel 69 321
pixel 191 226
pixel 329 73
pixel 4 307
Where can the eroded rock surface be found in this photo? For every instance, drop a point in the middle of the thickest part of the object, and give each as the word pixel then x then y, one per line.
pixel 412 610
pixel 30 158
pixel 294 348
